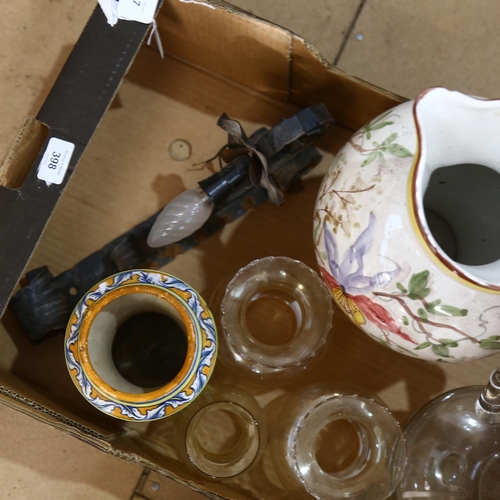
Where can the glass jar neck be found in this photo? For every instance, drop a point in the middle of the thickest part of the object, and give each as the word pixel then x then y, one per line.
pixel 368 454
pixel 226 460
pixel 488 403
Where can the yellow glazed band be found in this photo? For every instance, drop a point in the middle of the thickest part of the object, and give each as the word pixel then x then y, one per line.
pixel 197 367
pixel 98 382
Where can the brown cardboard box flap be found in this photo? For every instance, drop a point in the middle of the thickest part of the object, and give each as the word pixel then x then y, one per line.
pixel 22 153
pixel 269 59
pixel 71 112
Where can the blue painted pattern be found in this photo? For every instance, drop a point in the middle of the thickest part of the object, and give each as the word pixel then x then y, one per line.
pixel 204 359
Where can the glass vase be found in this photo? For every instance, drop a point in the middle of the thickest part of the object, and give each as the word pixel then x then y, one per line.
pixel 454 446
pixel 276 315
pixel 334 445
pixel 222 434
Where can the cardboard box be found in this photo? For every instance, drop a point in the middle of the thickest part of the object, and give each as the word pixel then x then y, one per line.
pixel 218 59
pixel 69 116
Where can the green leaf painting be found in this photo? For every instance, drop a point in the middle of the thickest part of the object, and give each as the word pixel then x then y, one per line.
pixel 377 124
pixel 369 158
pixel 430 307
pixel 440 350
pixel 424 345
pixel 421 312
pixel 449 343
pixel 387 146
pixel 390 139
pixel 439 309
pixel 418 286
pixel 398 150
pixel 423 316
pixel 445 310
pixel 490 344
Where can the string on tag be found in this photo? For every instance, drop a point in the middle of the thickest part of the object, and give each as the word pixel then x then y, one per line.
pixel 154 31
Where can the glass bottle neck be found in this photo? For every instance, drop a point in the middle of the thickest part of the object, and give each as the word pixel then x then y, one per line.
pixel 374 461
pixel 488 402
pixel 216 459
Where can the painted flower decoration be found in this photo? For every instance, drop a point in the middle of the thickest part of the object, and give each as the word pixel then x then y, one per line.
pixel 349 285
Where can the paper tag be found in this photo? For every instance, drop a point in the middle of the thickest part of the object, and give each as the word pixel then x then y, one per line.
pixel 55 161
pixel 109 8
pixel 142 11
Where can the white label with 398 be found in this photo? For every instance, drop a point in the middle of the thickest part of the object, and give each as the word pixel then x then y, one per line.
pixel 55 161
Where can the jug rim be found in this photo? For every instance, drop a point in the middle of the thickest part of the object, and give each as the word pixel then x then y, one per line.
pixel 420 226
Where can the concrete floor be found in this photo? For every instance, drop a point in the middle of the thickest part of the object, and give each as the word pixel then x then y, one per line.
pixel 399 45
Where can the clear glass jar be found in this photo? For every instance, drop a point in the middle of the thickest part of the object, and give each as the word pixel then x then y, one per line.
pixel 276 315
pixel 222 434
pixel 454 446
pixel 335 445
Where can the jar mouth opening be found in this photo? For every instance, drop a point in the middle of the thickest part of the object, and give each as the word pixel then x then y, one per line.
pixel 239 447
pixel 164 294
pixel 273 317
pixel 347 443
pixel 374 454
pixel 96 335
pixel 445 174
pixel 267 312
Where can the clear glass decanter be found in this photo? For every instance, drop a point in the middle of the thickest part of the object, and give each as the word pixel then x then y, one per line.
pixel 454 446
pixel 275 315
pixel 337 445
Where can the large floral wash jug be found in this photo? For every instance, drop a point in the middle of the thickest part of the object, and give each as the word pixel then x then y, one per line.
pixel 407 227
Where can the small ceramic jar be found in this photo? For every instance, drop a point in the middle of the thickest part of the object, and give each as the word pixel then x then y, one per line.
pixel 141 345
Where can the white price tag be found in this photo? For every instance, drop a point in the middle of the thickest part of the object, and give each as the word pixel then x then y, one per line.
pixel 55 161
pixel 142 11
pixel 109 8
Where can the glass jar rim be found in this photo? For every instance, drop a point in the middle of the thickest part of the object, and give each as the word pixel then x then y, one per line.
pixel 282 355
pixel 244 459
pixel 357 410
